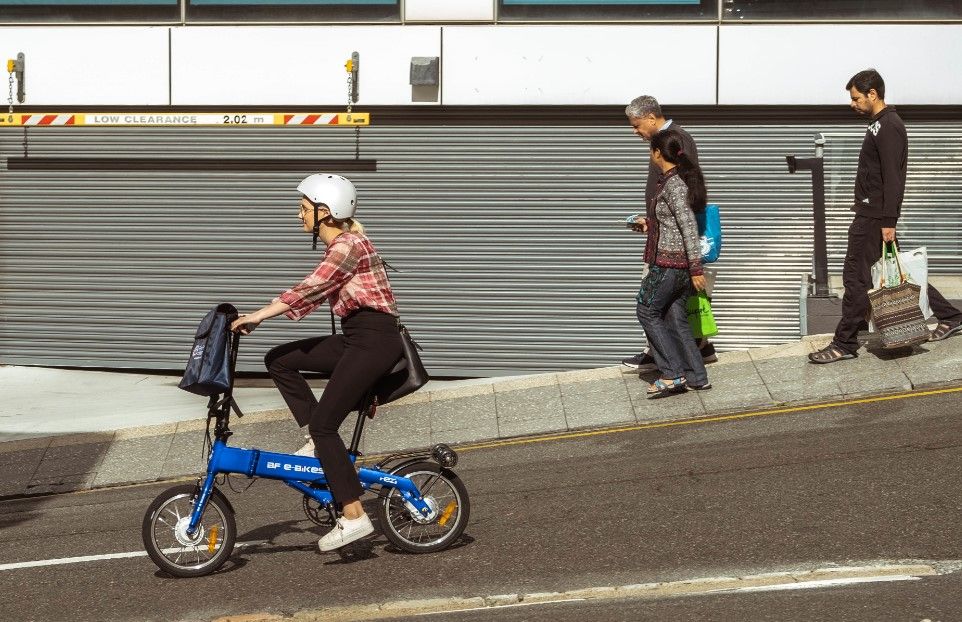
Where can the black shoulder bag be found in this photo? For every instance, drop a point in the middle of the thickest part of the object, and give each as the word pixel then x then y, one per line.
pixel 408 374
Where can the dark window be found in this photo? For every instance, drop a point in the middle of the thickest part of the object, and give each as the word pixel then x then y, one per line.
pixel 200 10
pixel 89 10
pixel 294 10
pixel 842 9
pixel 601 10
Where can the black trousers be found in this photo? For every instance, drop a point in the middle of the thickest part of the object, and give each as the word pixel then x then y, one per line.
pixel 864 249
pixel 369 346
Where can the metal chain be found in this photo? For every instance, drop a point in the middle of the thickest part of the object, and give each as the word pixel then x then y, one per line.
pixel 10 98
pixel 350 91
pixel 350 105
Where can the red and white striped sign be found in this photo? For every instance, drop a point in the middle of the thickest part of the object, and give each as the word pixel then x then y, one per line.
pixel 48 119
pixel 311 119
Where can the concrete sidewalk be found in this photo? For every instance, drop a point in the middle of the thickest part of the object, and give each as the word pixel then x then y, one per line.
pixel 77 429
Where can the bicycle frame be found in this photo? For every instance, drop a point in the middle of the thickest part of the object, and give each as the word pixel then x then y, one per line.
pixel 301 473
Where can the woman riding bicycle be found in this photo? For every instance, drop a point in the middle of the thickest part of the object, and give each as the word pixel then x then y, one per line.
pixel 353 279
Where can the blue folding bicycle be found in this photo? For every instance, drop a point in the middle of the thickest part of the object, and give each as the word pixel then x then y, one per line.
pixel 190 531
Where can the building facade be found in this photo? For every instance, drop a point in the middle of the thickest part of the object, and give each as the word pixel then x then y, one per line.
pixel 499 190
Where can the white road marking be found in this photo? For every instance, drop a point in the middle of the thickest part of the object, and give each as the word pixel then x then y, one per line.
pixel 809 585
pixel 811 578
pixel 97 558
pixel 71 560
pixel 547 602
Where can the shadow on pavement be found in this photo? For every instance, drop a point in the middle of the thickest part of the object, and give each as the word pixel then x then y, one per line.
pixel 34 469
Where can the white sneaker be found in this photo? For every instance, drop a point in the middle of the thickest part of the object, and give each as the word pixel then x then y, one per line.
pixel 307 450
pixel 346 531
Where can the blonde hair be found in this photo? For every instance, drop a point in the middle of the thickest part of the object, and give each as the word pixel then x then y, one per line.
pixel 352 225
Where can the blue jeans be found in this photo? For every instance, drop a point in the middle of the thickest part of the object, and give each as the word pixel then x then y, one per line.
pixel 661 311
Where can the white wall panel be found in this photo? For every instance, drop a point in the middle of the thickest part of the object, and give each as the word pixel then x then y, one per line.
pixel 295 65
pixel 447 11
pixel 810 64
pixel 591 65
pixel 67 66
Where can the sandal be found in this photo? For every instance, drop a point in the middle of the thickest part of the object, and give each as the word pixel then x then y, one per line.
pixel 663 387
pixel 944 331
pixel 699 387
pixel 830 354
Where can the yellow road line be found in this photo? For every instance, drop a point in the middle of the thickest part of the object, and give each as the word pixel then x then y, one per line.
pixel 561 436
pixel 705 419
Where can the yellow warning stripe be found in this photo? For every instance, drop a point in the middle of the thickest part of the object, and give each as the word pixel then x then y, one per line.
pixel 182 119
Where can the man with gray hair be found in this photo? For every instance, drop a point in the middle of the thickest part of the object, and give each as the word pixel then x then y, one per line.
pixel 646 119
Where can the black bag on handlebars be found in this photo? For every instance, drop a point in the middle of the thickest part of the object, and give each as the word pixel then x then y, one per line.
pixel 408 374
pixel 209 370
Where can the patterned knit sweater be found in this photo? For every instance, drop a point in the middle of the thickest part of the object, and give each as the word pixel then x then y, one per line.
pixel 672 229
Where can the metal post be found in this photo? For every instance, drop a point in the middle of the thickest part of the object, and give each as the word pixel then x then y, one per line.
pixel 817 166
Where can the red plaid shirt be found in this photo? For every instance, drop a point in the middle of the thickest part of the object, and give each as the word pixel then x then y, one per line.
pixel 351 277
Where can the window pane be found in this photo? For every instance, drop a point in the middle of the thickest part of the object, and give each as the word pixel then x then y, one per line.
pixel 594 10
pixel 89 10
pixel 294 10
pixel 842 9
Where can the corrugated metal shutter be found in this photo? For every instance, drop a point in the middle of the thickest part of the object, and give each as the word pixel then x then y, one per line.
pixel 932 210
pixel 510 239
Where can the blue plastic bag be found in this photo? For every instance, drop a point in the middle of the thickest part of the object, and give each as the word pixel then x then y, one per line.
pixel 710 233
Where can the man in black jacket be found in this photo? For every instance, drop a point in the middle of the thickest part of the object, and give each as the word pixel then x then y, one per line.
pixel 646 119
pixel 879 190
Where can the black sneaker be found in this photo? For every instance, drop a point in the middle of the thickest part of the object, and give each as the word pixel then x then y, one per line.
pixel 643 361
pixel 708 352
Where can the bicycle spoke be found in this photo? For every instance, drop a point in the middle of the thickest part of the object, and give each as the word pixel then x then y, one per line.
pixel 426 490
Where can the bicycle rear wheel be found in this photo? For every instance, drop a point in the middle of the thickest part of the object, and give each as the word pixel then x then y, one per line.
pixel 172 549
pixel 444 493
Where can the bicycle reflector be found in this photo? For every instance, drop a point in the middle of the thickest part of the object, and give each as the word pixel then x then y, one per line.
pixel 444 455
pixel 446 515
pixel 212 540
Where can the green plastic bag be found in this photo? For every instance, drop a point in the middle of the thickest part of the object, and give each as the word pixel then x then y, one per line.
pixel 700 317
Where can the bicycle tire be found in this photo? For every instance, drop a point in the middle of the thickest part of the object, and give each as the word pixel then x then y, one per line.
pixel 167 558
pixel 391 510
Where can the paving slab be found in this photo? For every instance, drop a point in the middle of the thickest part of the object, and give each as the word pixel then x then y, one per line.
pixel 466 435
pixel 185 456
pixel 530 410
pixel 134 460
pixel 662 409
pixel 793 393
pixel 67 482
pixel 934 363
pixel 471 411
pixel 73 458
pixel 736 386
pixel 397 427
pixel 282 436
pixel 596 403
pixel 17 469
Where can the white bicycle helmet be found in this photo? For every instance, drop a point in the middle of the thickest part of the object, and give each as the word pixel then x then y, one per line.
pixel 334 191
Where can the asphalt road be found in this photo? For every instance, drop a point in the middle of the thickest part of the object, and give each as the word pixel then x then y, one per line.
pixel 847 485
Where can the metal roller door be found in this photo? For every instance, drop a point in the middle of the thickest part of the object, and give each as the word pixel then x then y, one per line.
pixel 510 240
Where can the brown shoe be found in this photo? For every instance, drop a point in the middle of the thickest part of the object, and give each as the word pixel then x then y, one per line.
pixel 830 354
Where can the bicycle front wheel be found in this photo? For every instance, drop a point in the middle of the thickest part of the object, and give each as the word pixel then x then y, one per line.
pixel 444 493
pixel 174 550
